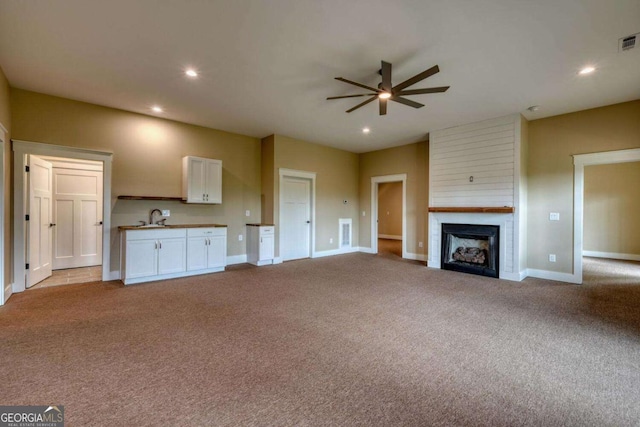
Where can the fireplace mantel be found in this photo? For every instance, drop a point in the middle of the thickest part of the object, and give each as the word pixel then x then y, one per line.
pixel 505 209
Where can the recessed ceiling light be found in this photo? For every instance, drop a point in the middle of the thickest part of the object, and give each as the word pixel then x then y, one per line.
pixel 587 70
pixel 384 95
pixel 191 72
pixel 157 109
pixel 366 130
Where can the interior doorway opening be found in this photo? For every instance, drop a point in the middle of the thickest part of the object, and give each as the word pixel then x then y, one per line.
pixel 21 239
pixel 388 215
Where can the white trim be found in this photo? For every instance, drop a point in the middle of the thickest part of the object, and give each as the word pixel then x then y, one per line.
pixel 332 252
pixel 8 291
pixel 579 162
pixel 292 173
pixel 389 236
pixel 171 276
pixel 342 222
pixel 21 149
pixel 366 250
pixel 375 180
pixel 277 260
pixel 4 294
pixel 611 255
pixel 236 259
pixel 553 275
pixel 417 257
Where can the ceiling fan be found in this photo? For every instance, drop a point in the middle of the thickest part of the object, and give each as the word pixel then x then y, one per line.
pixel 386 91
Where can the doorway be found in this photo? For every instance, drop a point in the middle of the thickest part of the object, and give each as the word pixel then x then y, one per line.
pixel 389 214
pixel 297 214
pixel 580 161
pixel 23 150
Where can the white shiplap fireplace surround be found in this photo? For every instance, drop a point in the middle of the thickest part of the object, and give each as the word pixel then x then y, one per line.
pixel 476 176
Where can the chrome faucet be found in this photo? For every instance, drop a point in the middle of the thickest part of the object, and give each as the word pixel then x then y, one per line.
pixel 151 215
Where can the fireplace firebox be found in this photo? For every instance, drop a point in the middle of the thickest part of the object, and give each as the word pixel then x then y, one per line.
pixel 471 248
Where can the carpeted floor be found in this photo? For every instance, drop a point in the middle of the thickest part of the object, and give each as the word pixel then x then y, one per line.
pixel 347 340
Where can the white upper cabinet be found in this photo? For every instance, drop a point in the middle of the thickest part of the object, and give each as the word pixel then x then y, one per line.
pixel 201 180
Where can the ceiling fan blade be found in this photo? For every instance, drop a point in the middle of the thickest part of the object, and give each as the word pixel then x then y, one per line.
pixel 350 96
pixel 415 79
pixel 422 91
pixel 357 84
pixel 386 76
pixel 383 107
pixel 374 97
pixel 407 102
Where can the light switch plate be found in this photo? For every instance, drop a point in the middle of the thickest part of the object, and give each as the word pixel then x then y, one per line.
pixel 554 216
pixel 239 237
pixel 552 257
pixel 247 213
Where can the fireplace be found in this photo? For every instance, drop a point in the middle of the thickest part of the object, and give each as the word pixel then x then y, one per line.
pixel 471 248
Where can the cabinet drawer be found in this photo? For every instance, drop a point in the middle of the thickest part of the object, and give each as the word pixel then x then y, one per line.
pixel 266 230
pixel 206 232
pixel 156 233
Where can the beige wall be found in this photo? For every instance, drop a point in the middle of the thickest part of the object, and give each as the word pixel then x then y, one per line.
pixel 336 180
pixel 267 175
pixel 390 209
pixel 552 142
pixel 147 160
pixel 412 159
pixel 5 119
pixel 612 208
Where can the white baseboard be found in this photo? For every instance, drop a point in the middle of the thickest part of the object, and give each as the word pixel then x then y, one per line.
pixel 277 260
pixel 332 252
pixel 389 236
pixel 417 257
pixel 366 250
pixel 612 255
pixel 236 259
pixel 114 275
pixel 554 275
pixel 8 291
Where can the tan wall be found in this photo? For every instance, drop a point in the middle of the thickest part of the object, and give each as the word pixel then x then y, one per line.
pixel 552 142
pixel 390 209
pixel 611 208
pixel 267 175
pixel 336 180
pixel 412 159
pixel 5 119
pixel 147 160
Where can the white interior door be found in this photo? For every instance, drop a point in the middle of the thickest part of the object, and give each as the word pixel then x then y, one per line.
pixel 40 224
pixel 77 210
pixel 295 218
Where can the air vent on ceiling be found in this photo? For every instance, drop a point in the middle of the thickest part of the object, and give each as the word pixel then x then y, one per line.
pixel 626 43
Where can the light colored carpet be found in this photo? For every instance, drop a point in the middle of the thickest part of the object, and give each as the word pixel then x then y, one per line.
pixel 347 340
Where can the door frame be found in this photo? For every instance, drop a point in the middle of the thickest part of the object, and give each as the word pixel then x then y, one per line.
pixel 375 180
pixel 21 149
pixel 579 162
pixel 5 292
pixel 311 176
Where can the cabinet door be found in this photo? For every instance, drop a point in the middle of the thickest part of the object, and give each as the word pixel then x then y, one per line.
pixel 172 255
pixel 213 181
pixel 142 258
pixel 217 256
pixel 197 253
pixel 266 247
pixel 196 180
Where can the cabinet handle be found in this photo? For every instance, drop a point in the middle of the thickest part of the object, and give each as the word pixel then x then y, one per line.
pixel 160 243
pixel 156 245
pixel 261 240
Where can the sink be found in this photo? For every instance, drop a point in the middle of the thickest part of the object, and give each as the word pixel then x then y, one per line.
pixel 150 226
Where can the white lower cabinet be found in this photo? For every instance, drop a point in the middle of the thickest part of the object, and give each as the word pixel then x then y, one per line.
pixel 260 244
pixel 206 248
pixel 148 255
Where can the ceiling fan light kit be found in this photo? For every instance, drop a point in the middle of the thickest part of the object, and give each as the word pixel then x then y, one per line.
pixel 387 92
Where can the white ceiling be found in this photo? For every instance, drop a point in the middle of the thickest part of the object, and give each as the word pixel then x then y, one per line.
pixel 266 66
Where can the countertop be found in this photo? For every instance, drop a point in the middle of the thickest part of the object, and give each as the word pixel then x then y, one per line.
pixel 137 227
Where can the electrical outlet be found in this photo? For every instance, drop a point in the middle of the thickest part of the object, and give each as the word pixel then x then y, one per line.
pixel 552 257
pixel 239 237
pixel 363 213
pixel 419 244
pixel 331 240
pixel 554 216
pixel 247 213
pixel 166 212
